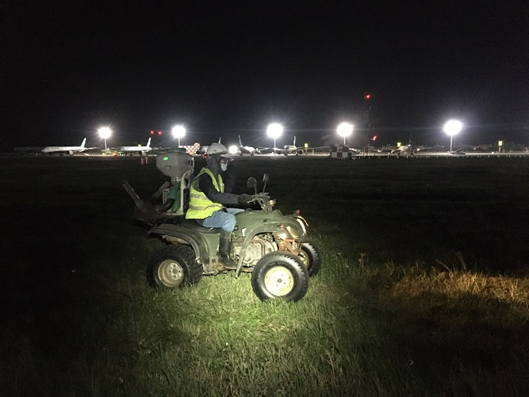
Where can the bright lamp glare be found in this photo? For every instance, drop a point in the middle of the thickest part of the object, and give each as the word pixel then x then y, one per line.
pixel 274 130
pixel 344 129
pixel 178 131
pixel 233 149
pixel 104 132
pixel 452 127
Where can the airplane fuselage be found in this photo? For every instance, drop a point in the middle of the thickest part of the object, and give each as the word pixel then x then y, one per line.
pixel 141 149
pixel 137 149
pixel 63 149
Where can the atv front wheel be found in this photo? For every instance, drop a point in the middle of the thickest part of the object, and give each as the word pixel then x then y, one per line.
pixel 280 275
pixel 310 255
pixel 174 266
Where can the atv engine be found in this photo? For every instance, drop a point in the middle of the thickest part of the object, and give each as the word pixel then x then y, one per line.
pixel 259 247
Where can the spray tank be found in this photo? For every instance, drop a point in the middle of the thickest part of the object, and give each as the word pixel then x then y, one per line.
pixel 179 166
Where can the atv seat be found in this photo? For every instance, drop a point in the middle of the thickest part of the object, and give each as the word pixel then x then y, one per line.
pixel 192 224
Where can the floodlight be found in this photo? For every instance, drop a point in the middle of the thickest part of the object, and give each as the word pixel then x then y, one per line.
pixel 344 130
pixel 274 131
pixel 178 132
pixel 104 132
pixel 452 127
pixel 233 149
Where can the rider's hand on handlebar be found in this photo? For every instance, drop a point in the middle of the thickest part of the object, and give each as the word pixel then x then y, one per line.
pixel 244 199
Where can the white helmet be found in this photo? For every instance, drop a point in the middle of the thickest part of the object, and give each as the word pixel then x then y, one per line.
pixel 216 148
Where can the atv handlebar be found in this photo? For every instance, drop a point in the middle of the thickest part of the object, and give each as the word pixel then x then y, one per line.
pixel 264 201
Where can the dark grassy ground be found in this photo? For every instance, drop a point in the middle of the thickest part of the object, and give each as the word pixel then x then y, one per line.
pixel 395 208
pixel 68 247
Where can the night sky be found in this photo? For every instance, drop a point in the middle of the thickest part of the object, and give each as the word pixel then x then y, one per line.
pixel 224 68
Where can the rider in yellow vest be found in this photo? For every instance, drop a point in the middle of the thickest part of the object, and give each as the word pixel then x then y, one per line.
pixel 210 192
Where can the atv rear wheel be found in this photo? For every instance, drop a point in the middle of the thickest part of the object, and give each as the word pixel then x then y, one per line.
pixel 280 275
pixel 173 266
pixel 311 257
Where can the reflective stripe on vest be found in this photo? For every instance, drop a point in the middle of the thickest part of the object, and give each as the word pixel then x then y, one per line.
pixel 200 207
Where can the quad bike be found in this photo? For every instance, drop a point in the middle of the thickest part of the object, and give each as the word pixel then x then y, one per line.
pixel 272 246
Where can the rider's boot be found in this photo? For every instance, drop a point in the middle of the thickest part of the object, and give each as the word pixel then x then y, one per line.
pixel 224 250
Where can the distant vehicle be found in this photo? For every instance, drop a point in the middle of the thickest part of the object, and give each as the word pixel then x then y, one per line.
pixel 65 149
pixel 459 152
pixel 143 150
pixel 264 150
pixel 404 150
pixel 110 152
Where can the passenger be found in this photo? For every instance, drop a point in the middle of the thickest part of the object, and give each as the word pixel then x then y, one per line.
pixel 210 191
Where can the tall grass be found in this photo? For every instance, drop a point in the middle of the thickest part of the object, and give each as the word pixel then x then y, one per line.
pixel 423 290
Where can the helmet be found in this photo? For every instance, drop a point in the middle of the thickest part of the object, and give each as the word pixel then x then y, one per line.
pixel 216 148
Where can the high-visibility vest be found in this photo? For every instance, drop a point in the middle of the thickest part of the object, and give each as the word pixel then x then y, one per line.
pixel 200 207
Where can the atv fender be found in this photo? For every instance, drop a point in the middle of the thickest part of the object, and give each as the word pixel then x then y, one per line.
pixel 193 238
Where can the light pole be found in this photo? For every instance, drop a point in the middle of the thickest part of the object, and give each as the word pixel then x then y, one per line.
pixel 179 132
pixel 274 131
pixel 104 132
pixel 452 127
pixel 344 130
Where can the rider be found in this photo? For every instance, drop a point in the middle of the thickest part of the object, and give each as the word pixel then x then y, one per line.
pixel 210 191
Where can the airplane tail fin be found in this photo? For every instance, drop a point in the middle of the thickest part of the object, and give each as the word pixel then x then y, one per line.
pixel 149 142
pixel 294 144
pixel 84 142
pixel 240 142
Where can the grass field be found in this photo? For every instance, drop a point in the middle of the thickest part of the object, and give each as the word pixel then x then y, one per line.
pixel 423 290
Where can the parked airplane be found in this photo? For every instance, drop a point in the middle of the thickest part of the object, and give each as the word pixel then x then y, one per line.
pixel 409 149
pixel 204 149
pixel 290 149
pixel 136 149
pixel 239 150
pixel 65 149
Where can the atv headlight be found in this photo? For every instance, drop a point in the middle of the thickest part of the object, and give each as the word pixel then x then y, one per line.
pixel 286 232
pixel 283 235
pixel 294 232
